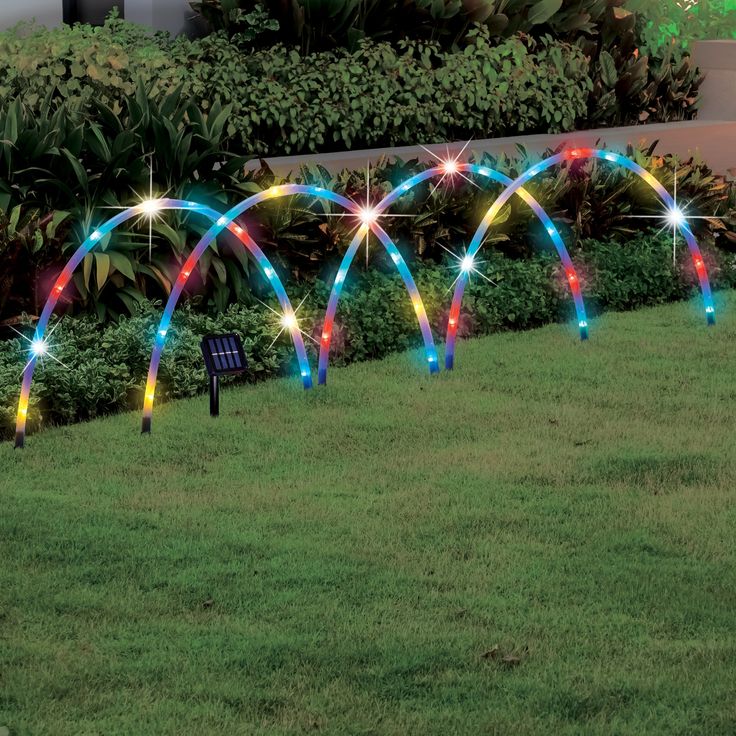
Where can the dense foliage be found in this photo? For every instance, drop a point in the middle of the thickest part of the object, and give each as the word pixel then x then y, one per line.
pixel 677 23
pixel 63 172
pixel 381 95
pixel 63 168
pixel 315 24
pixel 373 93
pixel 105 368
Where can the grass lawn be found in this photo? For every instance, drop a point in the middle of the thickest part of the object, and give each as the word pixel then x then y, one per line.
pixel 541 542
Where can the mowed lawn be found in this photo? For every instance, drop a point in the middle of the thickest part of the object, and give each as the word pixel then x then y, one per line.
pixel 540 542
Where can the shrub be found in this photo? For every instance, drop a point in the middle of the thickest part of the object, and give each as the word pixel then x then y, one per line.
pixel 384 95
pixel 107 366
pixel 668 24
pixel 81 63
pixel 373 94
pixel 44 218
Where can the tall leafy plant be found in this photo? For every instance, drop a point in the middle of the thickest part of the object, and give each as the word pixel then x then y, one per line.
pixel 61 170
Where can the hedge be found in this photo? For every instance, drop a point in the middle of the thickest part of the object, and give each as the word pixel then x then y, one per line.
pixel 383 95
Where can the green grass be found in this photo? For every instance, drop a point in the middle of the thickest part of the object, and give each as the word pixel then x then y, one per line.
pixel 541 542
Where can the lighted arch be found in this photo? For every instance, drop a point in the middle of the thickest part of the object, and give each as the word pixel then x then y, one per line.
pixel 145 208
pixel 224 221
pixel 391 197
pixel 519 182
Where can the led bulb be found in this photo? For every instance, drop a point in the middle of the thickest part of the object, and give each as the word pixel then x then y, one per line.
pixel 288 321
pixel 39 347
pixel 367 215
pixel 151 206
pixel 449 167
pixel 466 265
pixel 675 216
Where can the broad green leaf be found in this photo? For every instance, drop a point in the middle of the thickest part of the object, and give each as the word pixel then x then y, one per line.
pixel 102 261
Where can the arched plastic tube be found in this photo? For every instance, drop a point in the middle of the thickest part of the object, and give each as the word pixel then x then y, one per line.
pixel 518 183
pixel 390 198
pixel 68 271
pixel 225 221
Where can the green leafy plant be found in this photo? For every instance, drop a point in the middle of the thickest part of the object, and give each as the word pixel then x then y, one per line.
pixel 385 95
pixel 82 63
pixel 62 169
pixel 673 24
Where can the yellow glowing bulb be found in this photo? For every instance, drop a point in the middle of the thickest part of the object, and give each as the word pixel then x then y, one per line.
pixel 288 321
pixel 150 206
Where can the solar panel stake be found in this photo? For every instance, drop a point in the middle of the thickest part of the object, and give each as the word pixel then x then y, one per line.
pixel 214 396
pixel 223 356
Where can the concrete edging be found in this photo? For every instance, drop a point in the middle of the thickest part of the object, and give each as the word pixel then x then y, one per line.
pixel 712 140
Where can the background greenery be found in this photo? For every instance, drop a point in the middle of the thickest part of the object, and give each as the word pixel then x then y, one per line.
pixel 62 169
pixel 379 89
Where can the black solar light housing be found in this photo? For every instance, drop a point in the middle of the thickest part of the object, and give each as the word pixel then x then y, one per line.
pixel 223 356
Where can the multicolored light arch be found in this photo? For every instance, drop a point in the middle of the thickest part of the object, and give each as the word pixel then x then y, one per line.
pixel 367 217
pixel 573 155
pixel 367 220
pixel 444 169
pixel 145 208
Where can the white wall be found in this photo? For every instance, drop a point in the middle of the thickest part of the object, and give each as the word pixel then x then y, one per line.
pixel 717 60
pixel 47 12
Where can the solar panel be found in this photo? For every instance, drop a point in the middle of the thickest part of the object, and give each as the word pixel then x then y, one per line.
pixel 223 354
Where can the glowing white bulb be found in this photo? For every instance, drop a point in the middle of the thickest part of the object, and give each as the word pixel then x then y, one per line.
pixel 288 321
pixel 39 347
pixel 151 206
pixel 675 216
pixel 449 167
pixel 222 222
pixel 96 235
pixel 466 264
pixel 367 215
